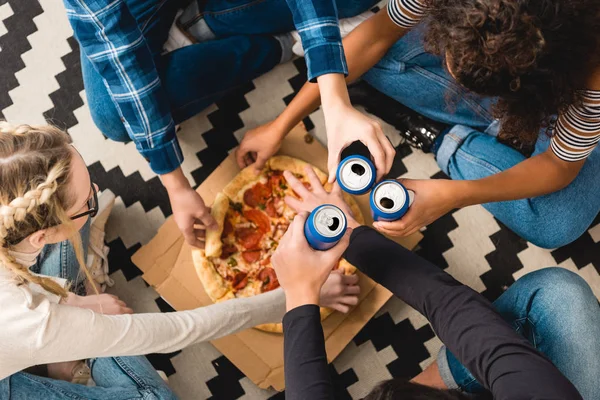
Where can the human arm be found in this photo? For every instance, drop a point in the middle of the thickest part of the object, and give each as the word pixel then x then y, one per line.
pixel 109 37
pixel 363 47
pixel 576 135
pixel 501 359
pixel 301 272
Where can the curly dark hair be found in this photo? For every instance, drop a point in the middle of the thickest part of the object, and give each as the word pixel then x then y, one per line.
pixel 534 55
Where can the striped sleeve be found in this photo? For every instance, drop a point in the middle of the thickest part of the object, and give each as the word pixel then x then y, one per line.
pixel 577 131
pixel 406 13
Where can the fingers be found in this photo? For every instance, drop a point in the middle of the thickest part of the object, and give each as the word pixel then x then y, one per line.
pixel 336 189
pixel 335 253
pixel 190 237
pixel 260 162
pixel 207 220
pixel 315 182
pixel 297 227
pixel 377 153
pixel 332 163
pixel 344 304
pixel 349 300
pixel 294 203
pixel 240 156
pixel 390 152
pixel 296 185
pixel 349 279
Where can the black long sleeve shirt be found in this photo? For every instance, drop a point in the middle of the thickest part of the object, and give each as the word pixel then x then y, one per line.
pixel 499 358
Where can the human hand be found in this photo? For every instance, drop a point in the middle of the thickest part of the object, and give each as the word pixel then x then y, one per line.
pixel 316 196
pixel 340 292
pixel 346 125
pixel 192 216
pixel 433 199
pixel 260 144
pixel 100 303
pixel 189 211
pixel 300 269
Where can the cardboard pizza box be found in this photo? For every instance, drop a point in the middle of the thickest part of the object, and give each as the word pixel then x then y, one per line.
pixel 167 265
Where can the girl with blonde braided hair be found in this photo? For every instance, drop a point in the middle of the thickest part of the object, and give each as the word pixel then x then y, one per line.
pixel 46 199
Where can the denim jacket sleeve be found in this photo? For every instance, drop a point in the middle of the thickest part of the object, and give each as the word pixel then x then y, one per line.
pixel 317 24
pixel 110 38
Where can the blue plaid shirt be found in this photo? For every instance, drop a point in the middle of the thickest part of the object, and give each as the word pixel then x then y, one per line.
pixel 317 24
pixel 110 38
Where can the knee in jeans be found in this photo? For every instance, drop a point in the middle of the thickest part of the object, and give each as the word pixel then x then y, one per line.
pixel 160 393
pixel 552 235
pixel 560 290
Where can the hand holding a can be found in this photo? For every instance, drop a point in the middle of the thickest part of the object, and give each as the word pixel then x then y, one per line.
pixel 316 196
pixel 433 198
pixel 347 125
pixel 301 270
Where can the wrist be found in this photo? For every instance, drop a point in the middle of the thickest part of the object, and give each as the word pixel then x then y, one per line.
pixel 301 296
pixel 284 123
pixel 463 193
pixel 334 92
pixel 175 181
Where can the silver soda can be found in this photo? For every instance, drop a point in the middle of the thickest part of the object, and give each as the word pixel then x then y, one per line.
pixel 325 226
pixel 356 174
pixel 390 201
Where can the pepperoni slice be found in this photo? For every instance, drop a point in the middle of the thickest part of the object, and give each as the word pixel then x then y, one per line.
pixel 270 209
pixel 251 256
pixel 227 229
pixel 249 198
pixel 227 250
pixel 260 219
pixel 262 193
pixel 269 279
pixel 240 280
pixel 249 238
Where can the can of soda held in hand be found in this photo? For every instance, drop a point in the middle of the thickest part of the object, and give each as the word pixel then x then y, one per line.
pixel 325 226
pixel 390 200
pixel 356 174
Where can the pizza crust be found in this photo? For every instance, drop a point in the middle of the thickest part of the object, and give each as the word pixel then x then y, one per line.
pixel 214 244
pixel 295 166
pixel 246 176
pixel 272 327
pixel 214 284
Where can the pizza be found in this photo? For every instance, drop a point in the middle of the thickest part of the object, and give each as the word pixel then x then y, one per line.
pixel 252 217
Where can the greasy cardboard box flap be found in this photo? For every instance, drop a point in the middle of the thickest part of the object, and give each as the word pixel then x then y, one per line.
pixel 167 265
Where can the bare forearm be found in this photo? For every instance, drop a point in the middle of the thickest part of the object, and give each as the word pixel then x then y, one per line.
pixel 364 47
pixel 536 176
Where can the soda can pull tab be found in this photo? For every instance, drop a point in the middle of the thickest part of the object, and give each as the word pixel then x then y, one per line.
pixel 325 226
pixel 390 200
pixel 356 174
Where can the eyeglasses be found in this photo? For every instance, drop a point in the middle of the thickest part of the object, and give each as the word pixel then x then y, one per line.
pixel 92 204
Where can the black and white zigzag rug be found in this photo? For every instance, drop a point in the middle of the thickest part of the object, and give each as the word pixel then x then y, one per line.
pixel 40 80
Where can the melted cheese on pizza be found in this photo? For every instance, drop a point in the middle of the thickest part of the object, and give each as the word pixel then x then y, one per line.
pixel 257 219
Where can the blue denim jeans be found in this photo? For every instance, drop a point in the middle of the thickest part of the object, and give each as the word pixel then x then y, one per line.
pixel 194 77
pixel 116 378
pixel 59 260
pixel 470 150
pixel 557 312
